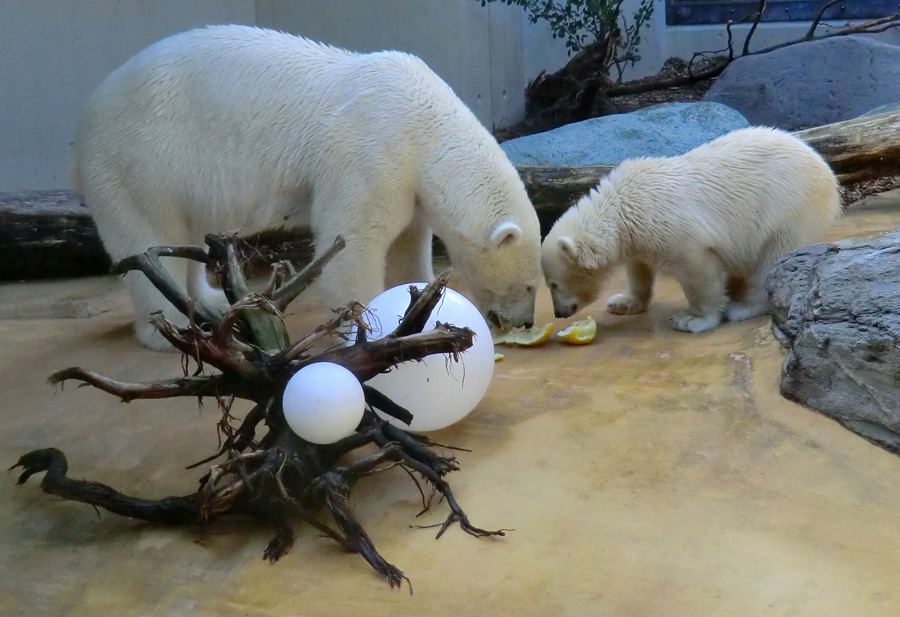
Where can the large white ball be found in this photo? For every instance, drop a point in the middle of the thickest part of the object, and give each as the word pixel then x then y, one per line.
pixel 323 402
pixel 438 390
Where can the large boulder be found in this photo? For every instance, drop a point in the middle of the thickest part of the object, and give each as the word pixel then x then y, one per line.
pixel 662 130
pixel 813 83
pixel 837 308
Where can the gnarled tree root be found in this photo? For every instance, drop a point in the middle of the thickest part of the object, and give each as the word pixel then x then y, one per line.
pixel 268 472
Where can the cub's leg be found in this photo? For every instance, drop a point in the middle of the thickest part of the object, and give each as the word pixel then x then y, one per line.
pixel 754 301
pixel 702 278
pixel 409 257
pixel 640 289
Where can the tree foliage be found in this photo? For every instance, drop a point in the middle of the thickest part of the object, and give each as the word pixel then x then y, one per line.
pixel 583 23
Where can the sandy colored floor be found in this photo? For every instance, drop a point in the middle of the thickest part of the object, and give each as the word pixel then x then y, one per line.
pixel 652 473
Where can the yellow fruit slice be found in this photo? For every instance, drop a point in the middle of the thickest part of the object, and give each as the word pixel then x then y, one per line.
pixel 579 333
pixel 498 357
pixel 525 337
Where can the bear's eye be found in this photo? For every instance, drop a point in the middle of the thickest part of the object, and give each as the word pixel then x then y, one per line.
pixel 553 286
pixel 530 289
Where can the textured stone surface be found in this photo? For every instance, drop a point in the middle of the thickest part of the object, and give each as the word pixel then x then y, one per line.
pixel 837 307
pixel 812 83
pixel 662 130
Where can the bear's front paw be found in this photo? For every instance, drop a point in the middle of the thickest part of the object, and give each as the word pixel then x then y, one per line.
pixel 688 322
pixel 625 304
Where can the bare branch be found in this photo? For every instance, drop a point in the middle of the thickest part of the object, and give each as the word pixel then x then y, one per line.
pixel 422 305
pixel 756 19
pixel 206 348
pixel 374 357
pixel 148 263
pixel 815 22
pixel 295 285
pixel 211 386
pixel 350 313
pixel 873 26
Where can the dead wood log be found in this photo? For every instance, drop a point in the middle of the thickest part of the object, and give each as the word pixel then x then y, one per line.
pixel 553 189
pixel 276 476
pixel 48 234
pixel 858 150
pixel 864 148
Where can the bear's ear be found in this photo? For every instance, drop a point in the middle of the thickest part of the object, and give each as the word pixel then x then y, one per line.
pixel 579 253
pixel 505 233
pixel 567 246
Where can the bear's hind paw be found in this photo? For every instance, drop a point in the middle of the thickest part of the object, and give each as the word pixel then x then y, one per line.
pixel 625 304
pixel 685 321
pixel 739 311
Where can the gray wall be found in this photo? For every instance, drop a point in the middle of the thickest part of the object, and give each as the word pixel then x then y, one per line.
pixel 478 51
pixel 53 53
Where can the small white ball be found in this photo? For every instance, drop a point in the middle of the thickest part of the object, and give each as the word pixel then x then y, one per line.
pixel 323 402
pixel 438 390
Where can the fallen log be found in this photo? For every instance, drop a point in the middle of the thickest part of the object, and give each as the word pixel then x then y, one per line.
pixel 858 150
pixel 553 189
pixel 864 148
pixel 47 234
pixel 51 234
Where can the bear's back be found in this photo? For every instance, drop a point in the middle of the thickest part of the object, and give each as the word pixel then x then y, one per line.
pixel 226 116
pixel 761 178
pixel 252 75
pixel 732 194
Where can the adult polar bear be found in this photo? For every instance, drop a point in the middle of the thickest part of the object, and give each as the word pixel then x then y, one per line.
pixel 236 128
pixel 716 218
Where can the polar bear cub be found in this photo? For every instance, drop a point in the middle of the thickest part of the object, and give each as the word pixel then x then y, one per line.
pixel 716 218
pixel 236 128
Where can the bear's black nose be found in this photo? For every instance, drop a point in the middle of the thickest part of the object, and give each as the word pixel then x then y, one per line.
pixel 529 324
pixel 558 314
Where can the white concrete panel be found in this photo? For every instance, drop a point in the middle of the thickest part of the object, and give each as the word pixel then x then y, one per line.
pixel 476 50
pixel 53 54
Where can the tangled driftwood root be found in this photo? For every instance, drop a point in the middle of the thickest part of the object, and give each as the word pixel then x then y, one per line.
pixel 268 471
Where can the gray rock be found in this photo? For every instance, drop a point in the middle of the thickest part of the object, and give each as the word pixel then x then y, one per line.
pixel 837 307
pixel 662 130
pixel 811 84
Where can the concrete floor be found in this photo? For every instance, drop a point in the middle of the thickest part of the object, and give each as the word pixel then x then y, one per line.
pixel 651 473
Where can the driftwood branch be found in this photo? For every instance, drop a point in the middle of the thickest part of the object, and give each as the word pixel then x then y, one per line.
pixel 275 475
pixel 201 386
pixel 295 285
pixel 148 263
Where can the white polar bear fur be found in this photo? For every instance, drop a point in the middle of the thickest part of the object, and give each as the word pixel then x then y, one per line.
pixel 236 128
pixel 716 218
